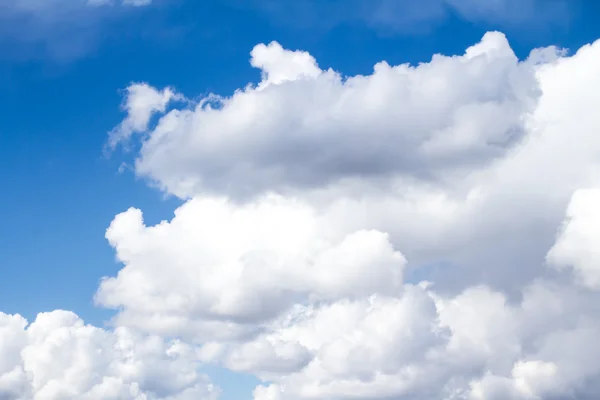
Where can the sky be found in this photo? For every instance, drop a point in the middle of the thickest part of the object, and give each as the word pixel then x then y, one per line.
pixel 324 200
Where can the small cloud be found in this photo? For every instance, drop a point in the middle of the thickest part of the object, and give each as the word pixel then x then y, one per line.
pixel 141 103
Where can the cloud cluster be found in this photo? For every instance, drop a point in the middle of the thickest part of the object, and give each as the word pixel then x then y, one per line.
pixel 460 160
pixel 421 232
pixel 57 356
pixel 382 336
pixel 472 346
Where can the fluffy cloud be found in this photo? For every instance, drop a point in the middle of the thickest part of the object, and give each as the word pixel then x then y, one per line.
pixel 410 342
pixel 218 264
pixel 142 102
pixel 307 192
pixel 302 126
pixel 59 357
pixel 460 160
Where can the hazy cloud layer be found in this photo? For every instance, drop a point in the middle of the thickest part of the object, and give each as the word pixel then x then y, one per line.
pixel 59 29
pixel 410 17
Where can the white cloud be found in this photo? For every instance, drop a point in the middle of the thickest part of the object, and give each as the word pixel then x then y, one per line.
pixel 417 343
pixel 305 127
pixel 57 357
pixel 307 191
pixel 142 102
pixel 410 151
pixel 279 65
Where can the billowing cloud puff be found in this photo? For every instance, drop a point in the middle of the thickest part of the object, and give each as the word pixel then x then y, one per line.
pixel 218 264
pixel 59 357
pixel 303 126
pixel 475 345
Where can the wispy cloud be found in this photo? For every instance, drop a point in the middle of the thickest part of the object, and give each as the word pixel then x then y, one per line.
pixel 60 29
pixel 408 16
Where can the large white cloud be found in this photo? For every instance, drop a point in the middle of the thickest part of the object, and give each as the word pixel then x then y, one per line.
pixel 305 127
pixel 364 148
pixel 57 357
pixel 285 262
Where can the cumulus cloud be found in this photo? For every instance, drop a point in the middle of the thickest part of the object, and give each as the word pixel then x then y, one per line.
pixel 472 346
pixel 57 356
pixel 216 264
pixel 462 160
pixel 408 343
pixel 316 203
pixel 302 126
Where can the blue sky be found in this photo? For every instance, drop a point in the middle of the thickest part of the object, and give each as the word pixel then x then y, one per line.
pixel 62 77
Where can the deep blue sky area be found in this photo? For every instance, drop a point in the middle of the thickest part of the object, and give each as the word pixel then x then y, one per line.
pixel 59 192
